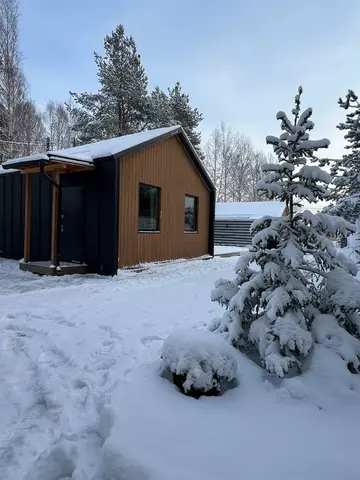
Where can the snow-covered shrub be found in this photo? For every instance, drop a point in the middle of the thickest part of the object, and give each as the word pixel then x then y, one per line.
pixel 288 276
pixel 200 362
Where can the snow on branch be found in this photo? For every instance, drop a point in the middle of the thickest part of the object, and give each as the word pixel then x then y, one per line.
pixel 285 122
pixel 313 144
pixel 327 223
pixel 278 167
pixel 304 117
pixel 344 290
pixel 313 172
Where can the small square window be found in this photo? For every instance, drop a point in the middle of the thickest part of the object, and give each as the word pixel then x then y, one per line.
pixel 191 208
pixel 149 208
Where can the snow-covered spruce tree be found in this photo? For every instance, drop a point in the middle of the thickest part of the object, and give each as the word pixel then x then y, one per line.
pixel 346 171
pixel 282 283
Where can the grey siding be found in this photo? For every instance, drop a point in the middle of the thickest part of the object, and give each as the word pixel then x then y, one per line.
pixel 233 232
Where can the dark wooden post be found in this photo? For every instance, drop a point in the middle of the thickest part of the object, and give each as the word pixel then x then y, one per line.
pixel 343 242
pixel 54 220
pixel 27 217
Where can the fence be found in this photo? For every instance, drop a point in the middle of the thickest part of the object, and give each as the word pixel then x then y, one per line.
pixel 233 232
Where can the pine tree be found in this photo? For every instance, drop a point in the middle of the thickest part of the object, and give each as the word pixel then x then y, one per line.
pixel 347 170
pixel 121 105
pixel 161 114
pixel 272 306
pixel 184 115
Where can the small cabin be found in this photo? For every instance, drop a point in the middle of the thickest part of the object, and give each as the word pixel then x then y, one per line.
pixel 116 203
pixel 233 220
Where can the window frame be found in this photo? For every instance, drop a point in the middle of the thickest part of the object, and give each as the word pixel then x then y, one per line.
pixel 196 211
pixel 158 213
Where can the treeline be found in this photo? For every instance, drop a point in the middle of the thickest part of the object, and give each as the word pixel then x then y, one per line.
pixel 234 165
pixel 122 105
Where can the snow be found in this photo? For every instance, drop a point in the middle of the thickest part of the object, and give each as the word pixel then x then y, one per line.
pixel 29 158
pixel 9 170
pixel 314 144
pixel 113 146
pixel 201 356
pixel 223 250
pixel 248 210
pixel 81 397
pixel 344 291
pixel 313 172
pixel 92 151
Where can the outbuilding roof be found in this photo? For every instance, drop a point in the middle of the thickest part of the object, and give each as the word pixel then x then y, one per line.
pixel 248 210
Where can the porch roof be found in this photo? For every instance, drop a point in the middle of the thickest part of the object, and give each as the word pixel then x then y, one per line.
pixel 46 158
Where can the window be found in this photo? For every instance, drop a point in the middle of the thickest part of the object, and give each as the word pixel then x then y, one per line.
pixel 149 208
pixel 191 204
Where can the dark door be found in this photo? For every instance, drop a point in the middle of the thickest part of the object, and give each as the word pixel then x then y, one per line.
pixel 72 227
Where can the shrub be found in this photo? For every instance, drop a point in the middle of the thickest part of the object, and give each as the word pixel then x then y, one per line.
pixel 200 362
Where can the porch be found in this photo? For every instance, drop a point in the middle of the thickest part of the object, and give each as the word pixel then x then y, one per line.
pixel 53 169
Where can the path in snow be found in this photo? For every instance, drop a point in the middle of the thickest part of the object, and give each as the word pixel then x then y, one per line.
pixel 66 342
pixel 81 397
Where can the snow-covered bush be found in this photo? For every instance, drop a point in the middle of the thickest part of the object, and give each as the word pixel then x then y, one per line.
pixel 288 276
pixel 200 362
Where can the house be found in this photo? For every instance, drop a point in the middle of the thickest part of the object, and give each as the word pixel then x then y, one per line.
pixel 95 208
pixel 233 220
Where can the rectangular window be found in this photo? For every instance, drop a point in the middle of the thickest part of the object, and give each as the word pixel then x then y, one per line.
pixel 191 207
pixel 149 208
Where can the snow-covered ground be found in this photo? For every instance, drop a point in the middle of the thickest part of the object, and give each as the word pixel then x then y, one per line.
pixel 223 249
pixel 81 398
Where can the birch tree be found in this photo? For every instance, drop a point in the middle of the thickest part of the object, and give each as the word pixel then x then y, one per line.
pixel 233 164
pixel 58 126
pixel 12 79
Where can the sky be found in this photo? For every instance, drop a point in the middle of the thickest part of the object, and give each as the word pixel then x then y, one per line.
pixel 240 61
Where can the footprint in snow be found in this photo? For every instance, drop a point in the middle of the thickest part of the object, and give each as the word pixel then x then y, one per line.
pixel 151 338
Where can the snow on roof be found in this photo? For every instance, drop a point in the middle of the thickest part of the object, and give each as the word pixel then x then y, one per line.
pixel 9 170
pixel 113 146
pixel 29 158
pixel 248 210
pixel 91 151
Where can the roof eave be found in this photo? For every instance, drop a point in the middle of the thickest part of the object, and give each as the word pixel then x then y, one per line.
pixel 25 164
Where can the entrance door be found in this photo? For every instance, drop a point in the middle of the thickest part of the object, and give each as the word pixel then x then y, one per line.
pixel 72 229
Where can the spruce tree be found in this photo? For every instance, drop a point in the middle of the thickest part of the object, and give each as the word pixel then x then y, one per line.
pixel 346 171
pixel 120 107
pixel 290 275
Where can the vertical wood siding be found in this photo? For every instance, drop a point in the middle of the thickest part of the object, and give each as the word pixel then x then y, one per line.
pixel 166 165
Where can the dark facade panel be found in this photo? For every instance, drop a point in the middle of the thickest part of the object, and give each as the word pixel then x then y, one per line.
pixel 100 214
pixel 107 183
pixel 11 215
pixel 233 232
pixel 40 233
pixel 2 215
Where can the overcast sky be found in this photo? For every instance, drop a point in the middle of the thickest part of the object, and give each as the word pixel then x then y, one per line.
pixel 240 61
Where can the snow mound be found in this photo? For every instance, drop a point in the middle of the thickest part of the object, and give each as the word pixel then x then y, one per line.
pixel 203 358
pixel 328 333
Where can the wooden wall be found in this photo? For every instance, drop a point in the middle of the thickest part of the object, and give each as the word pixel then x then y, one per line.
pixel 166 165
